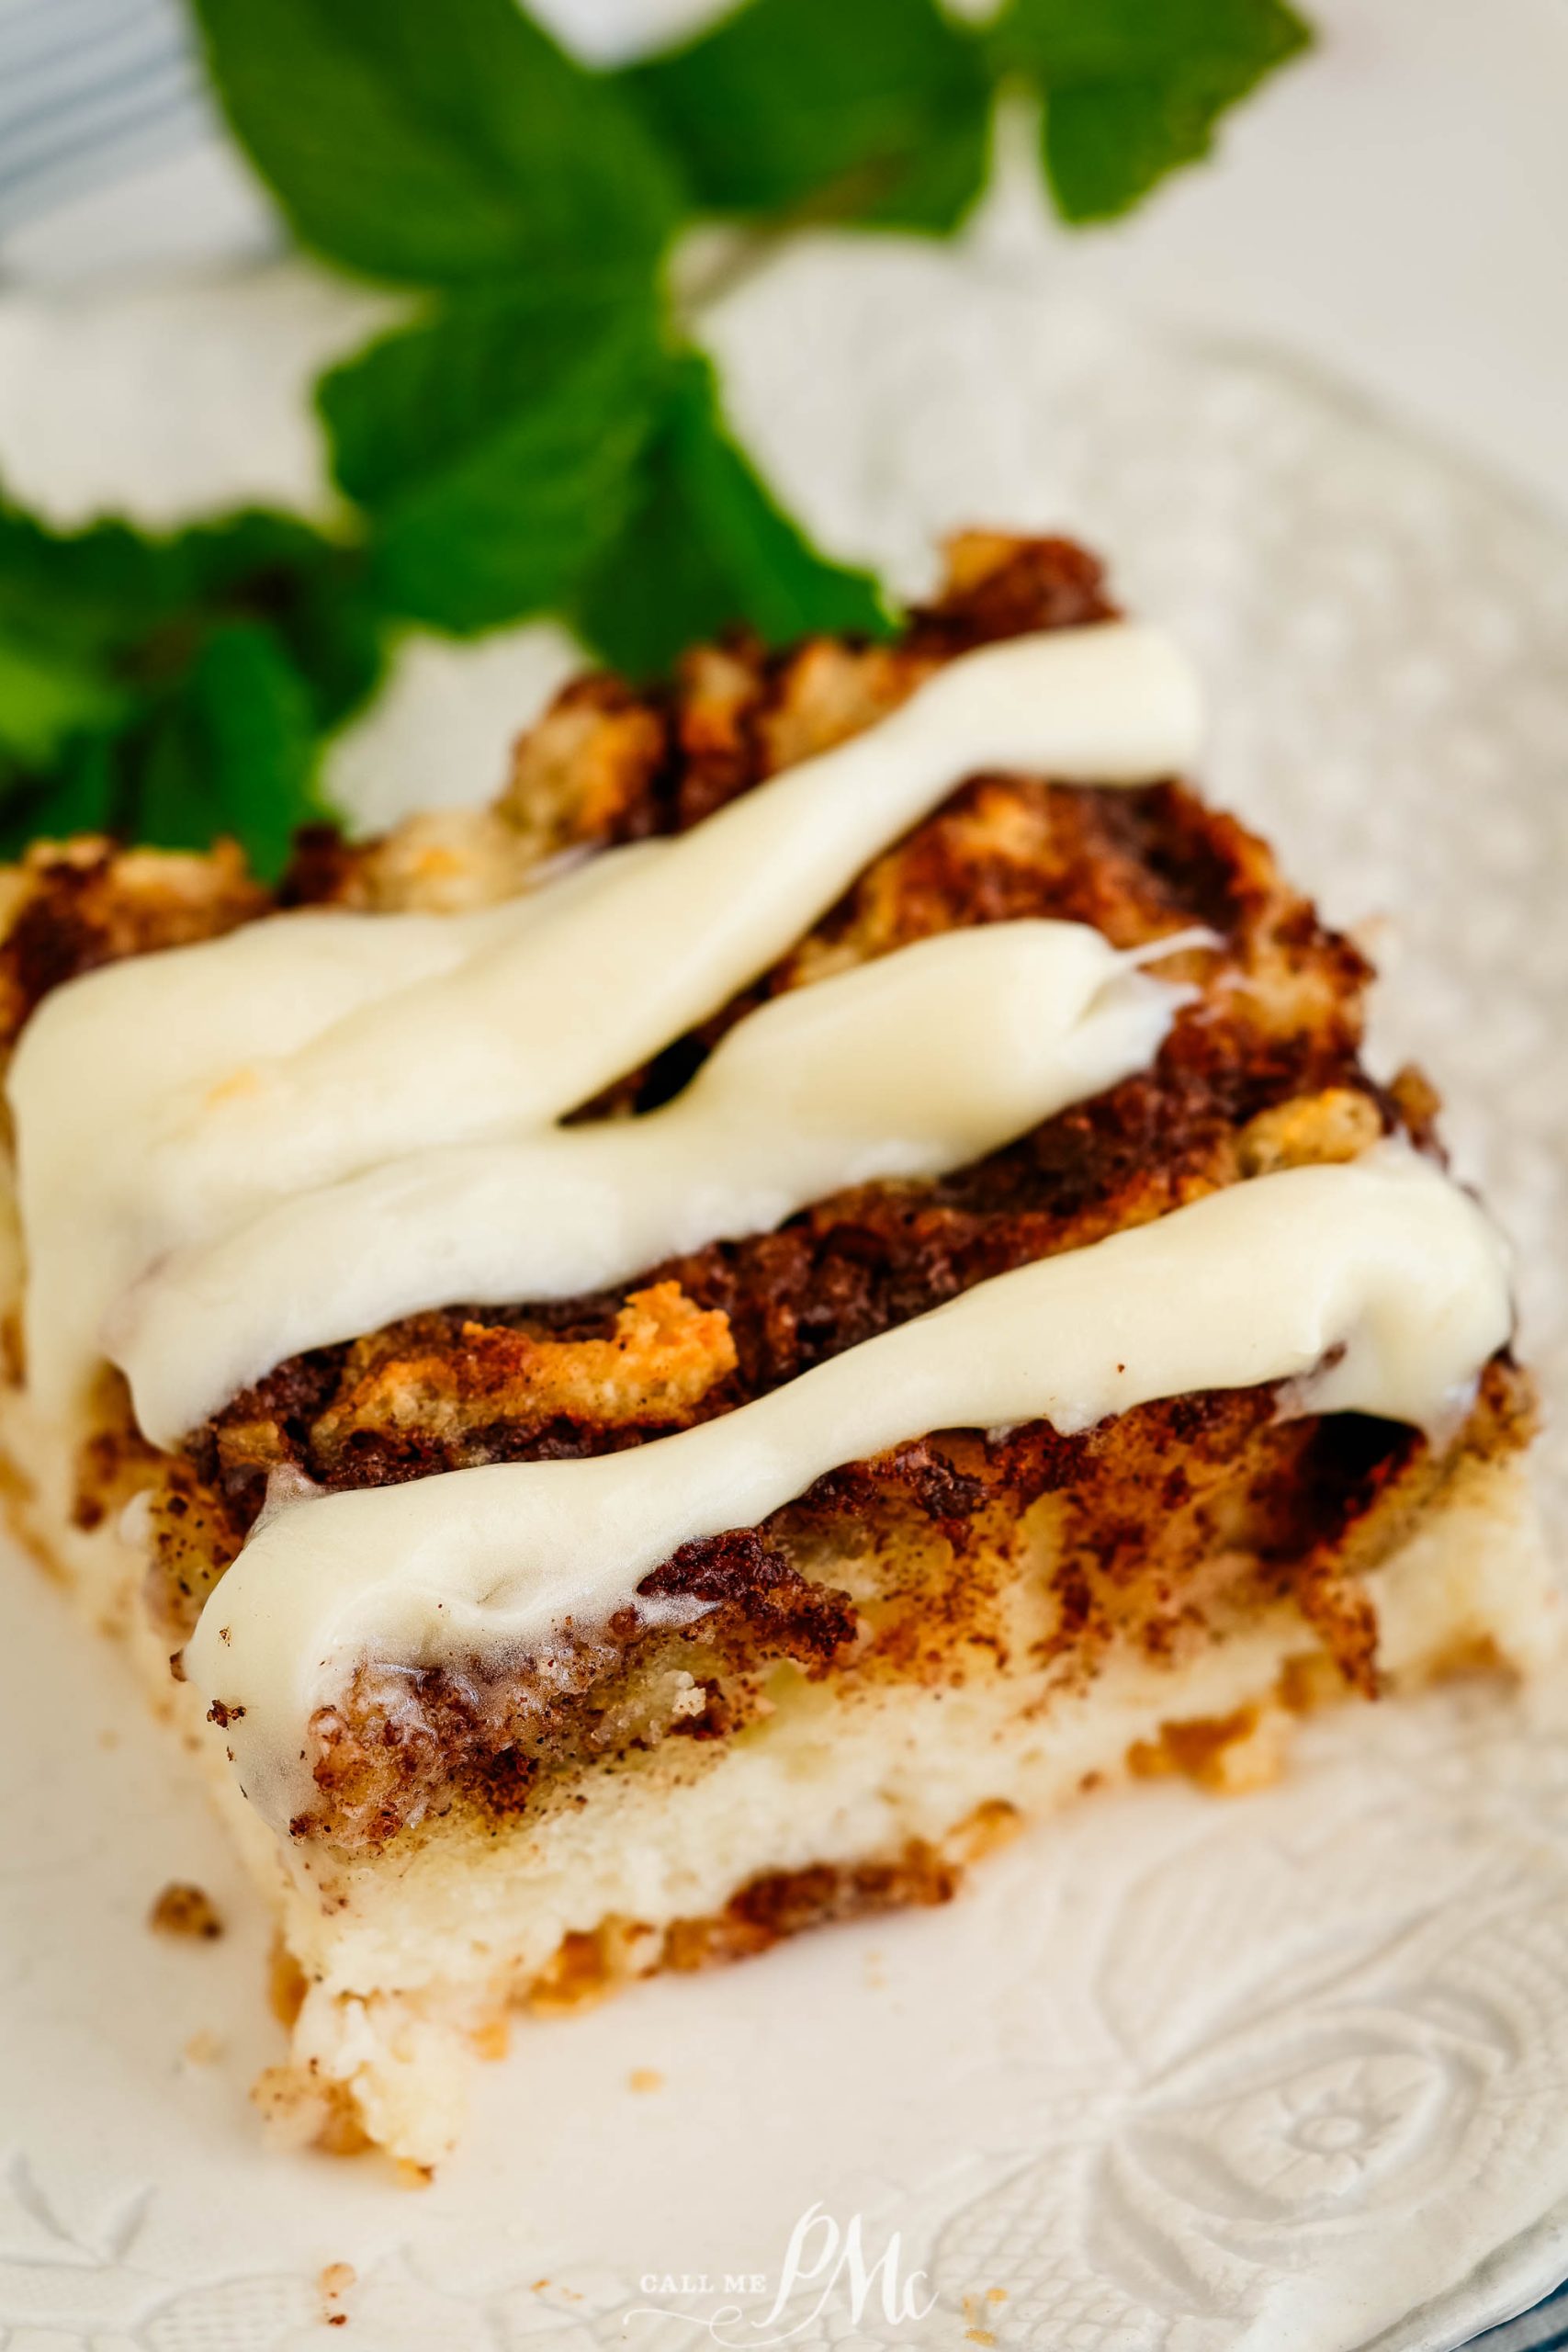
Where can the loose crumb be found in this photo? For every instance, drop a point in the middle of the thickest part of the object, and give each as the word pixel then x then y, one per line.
pixel 205 2047
pixel 334 2283
pixel 492 2038
pixel 646 2079
pixel 286 1983
pixel 185 1910
pixel 974 2332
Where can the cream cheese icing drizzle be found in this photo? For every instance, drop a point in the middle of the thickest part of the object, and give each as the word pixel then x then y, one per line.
pixel 112 1064
pixel 1377 1286
pixel 313 1049
pixel 904 1067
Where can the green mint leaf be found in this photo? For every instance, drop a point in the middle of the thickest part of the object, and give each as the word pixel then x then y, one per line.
pixel 91 592
pixel 231 751
pixel 46 699
pixel 437 141
pixel 494 448
pixel 1133 88
pixel 331 622
pixel 82 798
pixel 707 547
pixel 172 688
pixel 314 592
pixel 317 597
pixel 413 403
pixel 140 606
pixel 871 111
pixel 78 796
pixel 110 585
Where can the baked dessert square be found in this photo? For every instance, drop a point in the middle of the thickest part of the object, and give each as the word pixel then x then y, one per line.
pixel 668 1360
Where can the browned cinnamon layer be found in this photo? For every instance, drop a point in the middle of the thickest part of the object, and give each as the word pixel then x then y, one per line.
pixel 1163 1528
pixel 1262 1070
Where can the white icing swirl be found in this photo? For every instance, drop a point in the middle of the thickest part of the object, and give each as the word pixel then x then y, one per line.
pixel 905 1068
pixel 163 1102
pixel 1380 1285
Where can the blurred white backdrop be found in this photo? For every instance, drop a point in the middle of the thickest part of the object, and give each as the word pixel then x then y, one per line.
pixel 1393 208
pixel 1388 213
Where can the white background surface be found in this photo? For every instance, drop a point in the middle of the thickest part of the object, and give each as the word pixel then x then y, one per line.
pixel 1393 208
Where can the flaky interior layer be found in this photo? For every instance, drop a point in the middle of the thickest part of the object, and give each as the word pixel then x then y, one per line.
pixel 403 1961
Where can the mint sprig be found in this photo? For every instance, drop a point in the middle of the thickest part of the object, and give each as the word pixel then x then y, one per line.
pixel 705 545
pixel 546 436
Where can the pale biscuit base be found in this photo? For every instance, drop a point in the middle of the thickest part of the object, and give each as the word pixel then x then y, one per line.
pixel 397 1968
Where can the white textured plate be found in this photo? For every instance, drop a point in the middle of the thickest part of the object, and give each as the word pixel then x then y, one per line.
pixel 1288 2074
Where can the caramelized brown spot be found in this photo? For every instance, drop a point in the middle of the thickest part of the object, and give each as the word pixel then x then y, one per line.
pixel 75 905
pixel 185 1910
pixel 410 1386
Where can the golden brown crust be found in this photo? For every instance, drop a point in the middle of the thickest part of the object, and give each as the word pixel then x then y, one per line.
pixel 650 1372
pixel 183 1910
pixel 72 906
